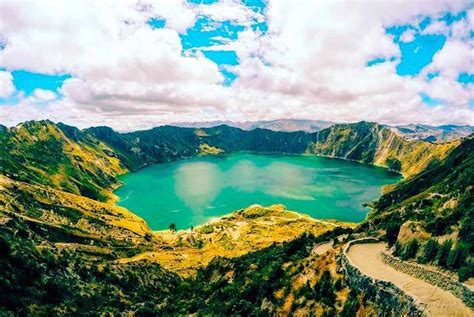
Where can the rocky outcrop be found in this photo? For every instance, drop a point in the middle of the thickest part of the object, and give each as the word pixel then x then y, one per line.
pixel 384 293
pixel 433 277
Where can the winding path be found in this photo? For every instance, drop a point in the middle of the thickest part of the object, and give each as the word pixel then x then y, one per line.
pixel 366 257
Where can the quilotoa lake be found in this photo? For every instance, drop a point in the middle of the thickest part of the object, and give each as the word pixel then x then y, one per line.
pixel 190 192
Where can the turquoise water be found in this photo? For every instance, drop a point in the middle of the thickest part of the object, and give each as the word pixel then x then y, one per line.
pixel 192 191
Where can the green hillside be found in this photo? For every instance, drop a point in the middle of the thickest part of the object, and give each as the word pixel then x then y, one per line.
pixel 434 205
pixel 372 143
pixel 67 249
pixel 363 142
pixel 63 157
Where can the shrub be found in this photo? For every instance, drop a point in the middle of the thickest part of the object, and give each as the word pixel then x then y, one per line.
pixel 466 272
pixel 148 236
pixel 206 229
pixel 429 252
pixel 351 306
pixel 443 253
pixel 392 230
pixel 172 227
pixel 324 289
pixel 411 249
pixel 457 257
pixel 398 249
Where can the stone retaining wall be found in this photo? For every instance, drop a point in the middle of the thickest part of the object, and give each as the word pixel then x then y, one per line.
pixel 435 278
pixel 382 292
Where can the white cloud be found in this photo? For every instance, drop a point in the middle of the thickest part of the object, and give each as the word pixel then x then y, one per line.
pixel 436 27
pixel 44 95
pixel 229 10
pixel 320 64
pixel 455 57
pixel 311 63
pixel 6 84
pixel 408 36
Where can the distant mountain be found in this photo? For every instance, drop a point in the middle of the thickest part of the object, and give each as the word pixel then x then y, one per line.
pixel 443 133
pixel 290 125
pixel 411 132
pixel 286 125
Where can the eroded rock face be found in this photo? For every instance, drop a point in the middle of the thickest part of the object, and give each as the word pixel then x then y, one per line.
pixel 412 230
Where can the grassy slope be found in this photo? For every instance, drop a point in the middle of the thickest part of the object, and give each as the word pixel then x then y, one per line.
pixel 79 217
pixel 238 233
pixel 58 156
pixel 281 279
pixel 436 204
pixel 443 190
pixel 372 143
pixel 42 278
pixel 39 277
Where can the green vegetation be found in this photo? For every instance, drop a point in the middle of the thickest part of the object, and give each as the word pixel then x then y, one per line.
pixel 47 280
pixel 457 257
pixel 172 227
pixel 443 253
pixel 392 229
pixel 430 251
pixel 441 200
pixel 262 282
pixel 66 250
pixel 372 143
pixel 58 156
pixel 411 249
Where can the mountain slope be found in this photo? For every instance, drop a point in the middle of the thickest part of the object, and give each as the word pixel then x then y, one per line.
pixel 41 278
pixel 445 189
pixel 59 156
pixel 72 217
pixel 433 211
pixel 372 143
pixel 363 142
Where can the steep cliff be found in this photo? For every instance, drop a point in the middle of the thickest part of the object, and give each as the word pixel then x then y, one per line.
pixel 372 143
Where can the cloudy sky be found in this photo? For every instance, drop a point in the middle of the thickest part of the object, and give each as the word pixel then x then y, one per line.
pixel 136 64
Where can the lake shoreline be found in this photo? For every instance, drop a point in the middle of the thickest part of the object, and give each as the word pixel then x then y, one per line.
pixel 296 187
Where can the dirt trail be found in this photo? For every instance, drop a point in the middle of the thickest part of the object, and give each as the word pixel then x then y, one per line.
pixel 438 302
pixel 322 248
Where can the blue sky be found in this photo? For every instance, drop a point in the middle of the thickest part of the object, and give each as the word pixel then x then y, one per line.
pixel 414 55
pixel 217 35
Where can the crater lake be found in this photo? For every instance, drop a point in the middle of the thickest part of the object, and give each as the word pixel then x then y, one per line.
pixel 190 192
